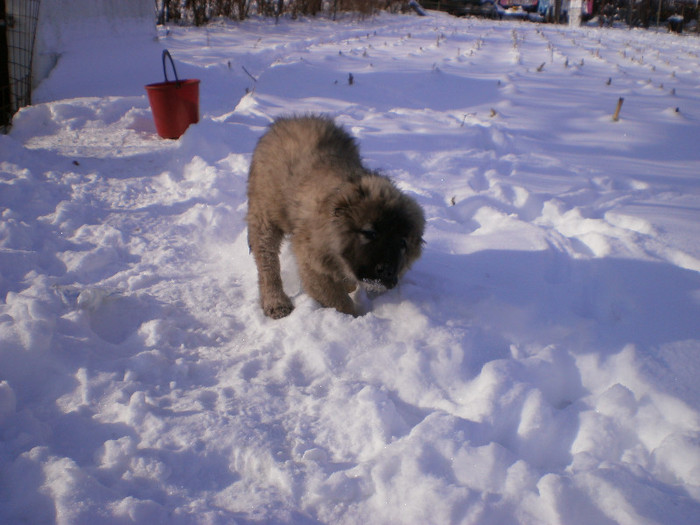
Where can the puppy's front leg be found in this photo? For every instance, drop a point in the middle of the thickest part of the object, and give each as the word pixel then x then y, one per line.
pixel 326 291
pixel 265 245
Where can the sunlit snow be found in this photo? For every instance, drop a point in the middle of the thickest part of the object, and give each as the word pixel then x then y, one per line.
pixel 538 365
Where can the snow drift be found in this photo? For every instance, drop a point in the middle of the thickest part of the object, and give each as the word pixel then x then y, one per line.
pixel 539 364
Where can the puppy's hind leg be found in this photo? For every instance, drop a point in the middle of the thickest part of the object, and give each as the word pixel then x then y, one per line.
pixel 265 244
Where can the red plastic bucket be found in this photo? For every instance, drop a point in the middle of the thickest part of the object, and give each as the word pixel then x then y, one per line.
pixel 174 104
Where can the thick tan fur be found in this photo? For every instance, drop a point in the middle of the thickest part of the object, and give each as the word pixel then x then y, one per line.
pixel 348 225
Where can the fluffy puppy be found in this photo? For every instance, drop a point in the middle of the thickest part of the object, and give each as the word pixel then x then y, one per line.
pixel 348 225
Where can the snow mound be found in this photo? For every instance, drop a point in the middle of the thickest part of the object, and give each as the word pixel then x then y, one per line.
pixel 538 364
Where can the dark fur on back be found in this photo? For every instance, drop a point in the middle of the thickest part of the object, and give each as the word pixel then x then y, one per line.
pixel 347 223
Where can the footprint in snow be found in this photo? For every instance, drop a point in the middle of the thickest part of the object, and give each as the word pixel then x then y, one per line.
pixel 112 316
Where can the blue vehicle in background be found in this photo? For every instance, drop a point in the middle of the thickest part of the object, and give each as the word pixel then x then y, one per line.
pixel 485 8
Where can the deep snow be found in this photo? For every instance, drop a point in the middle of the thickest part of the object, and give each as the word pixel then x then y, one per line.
pixel 539 364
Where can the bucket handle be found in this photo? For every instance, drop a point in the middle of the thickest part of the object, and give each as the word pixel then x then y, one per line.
pixel 166 53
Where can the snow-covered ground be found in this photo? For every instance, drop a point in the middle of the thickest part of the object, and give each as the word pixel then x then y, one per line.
pixel 538 365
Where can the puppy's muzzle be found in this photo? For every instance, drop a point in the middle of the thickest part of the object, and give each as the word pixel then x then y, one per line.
pixel 387 275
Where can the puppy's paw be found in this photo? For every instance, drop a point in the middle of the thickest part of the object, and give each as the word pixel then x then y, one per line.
pixel 345 305
pixel 278 308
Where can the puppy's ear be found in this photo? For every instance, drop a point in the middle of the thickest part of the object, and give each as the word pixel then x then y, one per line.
pixel 339 208
pixel 344 199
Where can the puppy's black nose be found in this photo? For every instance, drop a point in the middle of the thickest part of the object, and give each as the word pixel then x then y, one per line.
pixel 387 274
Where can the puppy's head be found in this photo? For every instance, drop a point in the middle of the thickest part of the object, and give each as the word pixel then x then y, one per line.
pixel 382 230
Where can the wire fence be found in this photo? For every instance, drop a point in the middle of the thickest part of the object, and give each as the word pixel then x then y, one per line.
pixel 18 22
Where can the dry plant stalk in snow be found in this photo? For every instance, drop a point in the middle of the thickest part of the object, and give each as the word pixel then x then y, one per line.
pixel 616 115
